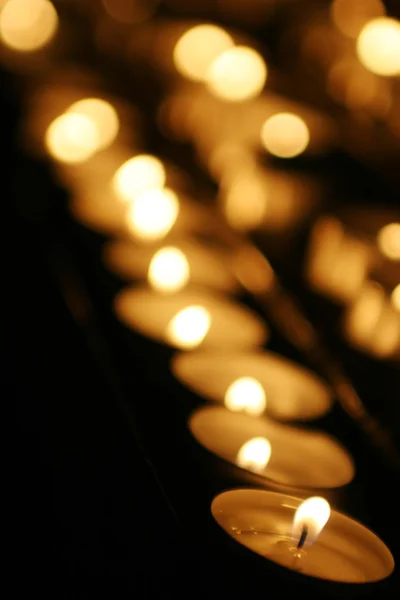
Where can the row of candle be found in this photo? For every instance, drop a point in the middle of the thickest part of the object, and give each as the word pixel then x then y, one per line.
pixel 252 382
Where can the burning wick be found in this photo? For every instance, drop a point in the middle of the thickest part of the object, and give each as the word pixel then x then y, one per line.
pixel 303 537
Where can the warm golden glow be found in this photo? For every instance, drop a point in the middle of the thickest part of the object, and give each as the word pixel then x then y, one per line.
pixel 138 174
pixel 350 16
pixel 312 514
pixel 188 328
pixel 237 74
pixel 72 138
pixel 151 214
pixel 246 394
pixel 254 455
pixel 245 200
pixel 27 26
pixel 285 135
pixel 378 46
pixel 168 270
pixel 389 241
pixel 198 48
pixel 102 114
pixel 396 297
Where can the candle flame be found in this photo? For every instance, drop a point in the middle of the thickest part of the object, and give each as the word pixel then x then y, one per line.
pixel 285 135
pixel 72 138
pixel 27 26
pixel 378 46
pixel 246 394
pixel 168 270
pixel 254 455
pixel 312 515
pixel 396 297
pixel 151 214
pixel 188 328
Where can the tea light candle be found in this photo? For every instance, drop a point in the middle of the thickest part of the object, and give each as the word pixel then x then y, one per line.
pixel 280 455
pixel 254 382
pixel 306 537
pixel 372 323
pixel 205 265
pixel 189 318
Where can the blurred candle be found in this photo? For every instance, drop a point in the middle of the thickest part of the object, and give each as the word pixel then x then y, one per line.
pixel 72 138
pixel 304 536
pixel 207 265
pixel 103 115
pixel 285 135
pixel 152 213
pixel 197 48
pixel 168 270
pixel 280 455
pixel 139 174
pixel 372 323
pixel 389 241
pixel 254 382
pixel 378 46
pixel 201 317
pixel 237 74
pixel 27 26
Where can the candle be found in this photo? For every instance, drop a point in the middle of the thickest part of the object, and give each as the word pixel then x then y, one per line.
pixel 189 318
pixel 253 382
pixel 280 455
pixel 205 265
pixel 306 537
pixel 372 323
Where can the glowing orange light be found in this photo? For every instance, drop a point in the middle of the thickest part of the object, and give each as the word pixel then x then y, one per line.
pixel 138 174
pixel 152 214
pixel 245 200
pixel 72 138
pixel 254 455
pixel 396 297
pixel 188 328
pixel 285 135
pixel 27 26
pixel 168 270
pixel 197 48
pixel 311 516
pixel 246 394
pixel 378 46
pixel 130 11
pixel 237 74
pixel 103 116
pixel 389 241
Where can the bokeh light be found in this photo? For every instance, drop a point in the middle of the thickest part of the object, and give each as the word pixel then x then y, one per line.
pixel 72 138
pixel 237 74
pixel 27 26
pixel 104 116
pixel 246 394
pixel 188 328
pixel 378 46
pixel 168 270
pixel 389 241
pixel 254 455
pixel 151 214
pixel 245 200
pixel 285 135
pixel 396 297
pixel 138 174
pixel 197 48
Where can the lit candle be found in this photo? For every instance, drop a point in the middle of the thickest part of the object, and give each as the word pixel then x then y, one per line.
pixel 277 455
pixel 304 536
pixel 189 318
pixel 205 265
pixel 254 382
